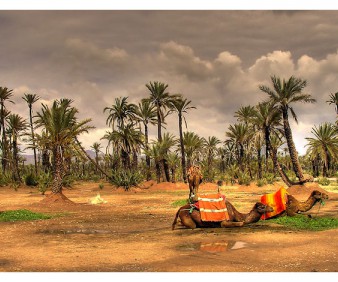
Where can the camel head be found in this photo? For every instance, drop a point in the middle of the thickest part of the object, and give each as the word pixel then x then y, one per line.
pixel 319 196
pixel 262 209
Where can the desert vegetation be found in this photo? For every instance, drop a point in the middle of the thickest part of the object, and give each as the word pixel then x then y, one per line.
pixel 258 148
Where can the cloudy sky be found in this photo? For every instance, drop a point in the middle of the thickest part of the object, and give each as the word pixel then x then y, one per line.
pixel 215 58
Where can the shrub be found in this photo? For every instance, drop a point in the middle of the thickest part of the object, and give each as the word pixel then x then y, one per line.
pixel 44 182
pixel 101 186
pixel 269 178
pixel 126 178
pixel 324 181
pixel 30 180
pixel 243 179
pixel 261 182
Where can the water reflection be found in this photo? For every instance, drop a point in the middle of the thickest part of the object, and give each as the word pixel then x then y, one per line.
pixel 213 247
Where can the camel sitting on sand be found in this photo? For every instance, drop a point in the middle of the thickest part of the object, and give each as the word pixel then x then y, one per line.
pixel 192 219
pixel 293 206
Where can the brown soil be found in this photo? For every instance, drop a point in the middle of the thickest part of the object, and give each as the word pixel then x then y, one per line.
pixel 132 233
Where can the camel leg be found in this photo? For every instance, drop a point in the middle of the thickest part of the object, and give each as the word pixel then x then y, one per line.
pixel 188 222
pixel 227 224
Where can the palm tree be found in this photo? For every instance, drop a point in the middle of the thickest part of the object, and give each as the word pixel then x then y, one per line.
pixel 16 126
pixel 267 118
pixel 126 140
pixel 173 162
pixel 120 112
pixel 334 100
pixel 181 106
pixel 240 134
pixel 283 94
pixel 62 128
pixel 146 113
pixel 31 99
pixel 193 146
pixel 161 100
pixel 154 152
pixel 210 146
pixel 245 114
pixel 324 144
pixel 5 96
pixel 96 147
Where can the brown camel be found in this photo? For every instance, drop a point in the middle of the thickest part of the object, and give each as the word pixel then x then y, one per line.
pixel 195 177
pixel 192 219
pixel 293 206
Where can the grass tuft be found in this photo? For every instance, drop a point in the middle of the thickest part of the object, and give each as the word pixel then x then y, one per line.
pixel 180 203
pixel 22 215
pixel 302 222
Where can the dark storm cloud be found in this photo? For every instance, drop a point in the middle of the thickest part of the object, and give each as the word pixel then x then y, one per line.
pixel 217 59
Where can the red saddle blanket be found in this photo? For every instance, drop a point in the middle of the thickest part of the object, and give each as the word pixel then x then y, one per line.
pixel 275 200
pixel 212 207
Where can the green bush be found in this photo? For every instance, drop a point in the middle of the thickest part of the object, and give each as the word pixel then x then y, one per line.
pixel 5 179
pixel 126 178
pixel 30 180
pixel 269 178
pixel 261 182
pixel 44 181
pixel 323 181
pixel 243 179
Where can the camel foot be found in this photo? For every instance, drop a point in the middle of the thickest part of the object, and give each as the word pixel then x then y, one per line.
pixel 227 224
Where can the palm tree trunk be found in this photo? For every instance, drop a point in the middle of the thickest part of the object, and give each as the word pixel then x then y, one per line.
pixel 277 167
pixel 267 146
pixel 291 145
pixel 16 175
pixel 259 160
pixel 184 171
pixel 58 170
pixel 4 141
pixel 147 157
pixel 33 140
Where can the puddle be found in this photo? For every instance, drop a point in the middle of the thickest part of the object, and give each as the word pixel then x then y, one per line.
pixel 213 247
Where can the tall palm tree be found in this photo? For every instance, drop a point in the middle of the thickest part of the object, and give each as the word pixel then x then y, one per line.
pixel 161 100
pixel 240 134
pixel 181 107
pixel 146 113
pixel 267 118
pixel 121 112
pixel 31 99
pixel 324 144
pixel 210 146
pixel 5 96
pixel 16 127
pixel 62 127
pixel 284 94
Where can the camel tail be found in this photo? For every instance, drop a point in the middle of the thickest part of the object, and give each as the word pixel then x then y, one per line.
pixel 175 220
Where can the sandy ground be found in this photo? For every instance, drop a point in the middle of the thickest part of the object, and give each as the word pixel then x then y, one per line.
pixel 132 233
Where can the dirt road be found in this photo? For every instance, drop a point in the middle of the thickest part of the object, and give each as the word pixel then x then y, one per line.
pixel 132 233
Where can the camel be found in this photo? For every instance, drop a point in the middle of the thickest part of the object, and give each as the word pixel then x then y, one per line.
pixel 195 177
pixel 293 206
pixel 192 219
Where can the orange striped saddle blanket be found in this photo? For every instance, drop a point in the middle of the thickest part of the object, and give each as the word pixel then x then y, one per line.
pixel 212 207
pixel 275 200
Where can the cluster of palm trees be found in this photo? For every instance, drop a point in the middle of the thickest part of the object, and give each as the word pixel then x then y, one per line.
pixel 253 146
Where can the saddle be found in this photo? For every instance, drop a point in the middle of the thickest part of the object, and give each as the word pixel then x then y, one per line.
pixel 212 207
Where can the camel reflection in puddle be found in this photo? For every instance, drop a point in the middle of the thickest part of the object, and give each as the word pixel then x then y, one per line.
pixel 214 247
